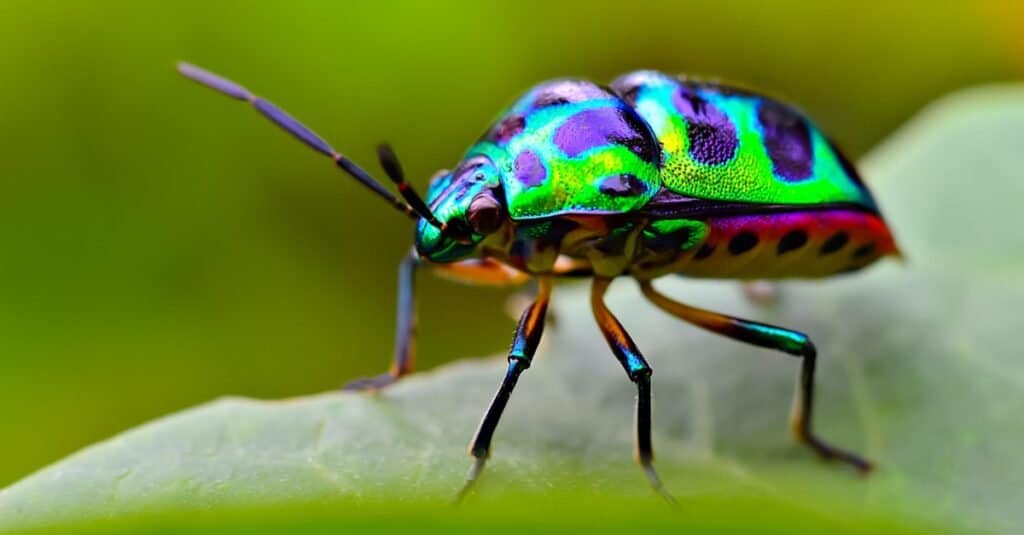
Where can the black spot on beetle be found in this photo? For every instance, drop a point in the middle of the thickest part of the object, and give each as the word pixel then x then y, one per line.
pixel 848 269
pixel 835 242
pixel 742 242
pixel 793 240
pixel 623 186
pixel 864 250
pixel 704 252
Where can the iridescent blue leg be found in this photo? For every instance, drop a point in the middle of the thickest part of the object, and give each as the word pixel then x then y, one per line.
pixel 638 371
pixel 405 331
pixel 788 341
pixel 524 345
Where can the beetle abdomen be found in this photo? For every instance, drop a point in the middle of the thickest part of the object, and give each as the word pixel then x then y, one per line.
pixel 808 243
pixel 725 144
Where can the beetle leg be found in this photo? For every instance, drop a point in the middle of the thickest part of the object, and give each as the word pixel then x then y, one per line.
pixel 760 334
pixel 638 371
pixel 524 345
pixel 405 331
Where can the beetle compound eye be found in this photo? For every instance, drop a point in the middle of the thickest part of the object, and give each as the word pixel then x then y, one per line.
pixel 484 214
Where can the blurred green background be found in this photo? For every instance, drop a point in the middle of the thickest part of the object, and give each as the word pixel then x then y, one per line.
pixel 162 245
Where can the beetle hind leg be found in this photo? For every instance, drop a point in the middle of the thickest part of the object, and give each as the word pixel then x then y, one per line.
pixel 788 341
pixel 800 415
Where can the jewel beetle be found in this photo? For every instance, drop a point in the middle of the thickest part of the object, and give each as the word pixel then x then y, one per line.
pixel 648 176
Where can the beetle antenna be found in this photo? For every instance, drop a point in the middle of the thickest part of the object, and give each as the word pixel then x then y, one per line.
pixel 302 133
pixel 389 162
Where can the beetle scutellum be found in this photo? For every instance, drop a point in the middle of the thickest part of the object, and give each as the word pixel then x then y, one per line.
pixel 651 176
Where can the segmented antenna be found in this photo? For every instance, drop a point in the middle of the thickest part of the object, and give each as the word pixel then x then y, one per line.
pixel 392 168
pixel 302 133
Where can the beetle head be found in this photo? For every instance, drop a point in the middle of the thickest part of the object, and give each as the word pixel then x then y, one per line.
pixel 469 203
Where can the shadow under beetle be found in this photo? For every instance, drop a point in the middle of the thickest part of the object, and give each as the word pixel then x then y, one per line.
pixel 653 175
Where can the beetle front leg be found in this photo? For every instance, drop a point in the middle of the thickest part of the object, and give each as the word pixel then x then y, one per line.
pixel 769 336
pixel 524 345
pixel 477 271
pixel 405 331
pixel 638 371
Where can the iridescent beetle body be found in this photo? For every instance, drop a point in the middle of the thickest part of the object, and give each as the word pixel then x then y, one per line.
pixel 654 175
pixel 659 175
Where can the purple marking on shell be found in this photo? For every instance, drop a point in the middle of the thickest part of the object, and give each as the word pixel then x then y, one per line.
pixel 788 141
pixel 566 92
pixel 507 129
pixel 604 126
pixel 623 186
pixel 214 81
pixel 529 170
pixel 293 126
pixel 712 135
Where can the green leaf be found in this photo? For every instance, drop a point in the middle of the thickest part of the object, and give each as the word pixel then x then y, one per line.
pixel 920 371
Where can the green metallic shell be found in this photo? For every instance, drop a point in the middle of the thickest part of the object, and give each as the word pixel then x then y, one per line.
pixel 660 147
pixel 729 145
pixel 571 147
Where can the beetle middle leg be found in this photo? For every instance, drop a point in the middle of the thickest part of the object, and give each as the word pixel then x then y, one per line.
pixel 524 345
pixel 769 336
pixel 638 371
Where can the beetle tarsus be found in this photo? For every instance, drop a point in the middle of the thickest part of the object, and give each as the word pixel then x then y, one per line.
pixel 656 484
pixel 828 452
pixel 471 476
